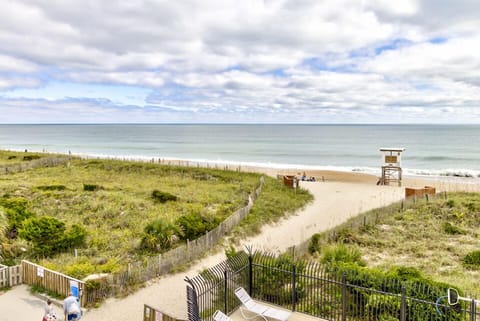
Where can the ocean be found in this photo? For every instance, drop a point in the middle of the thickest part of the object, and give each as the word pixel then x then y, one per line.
pixel 430 150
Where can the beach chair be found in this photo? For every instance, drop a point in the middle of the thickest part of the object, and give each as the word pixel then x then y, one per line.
pixel 220 316
pixel 257 309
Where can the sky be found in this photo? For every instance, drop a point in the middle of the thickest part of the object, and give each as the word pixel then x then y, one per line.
pixel 248 61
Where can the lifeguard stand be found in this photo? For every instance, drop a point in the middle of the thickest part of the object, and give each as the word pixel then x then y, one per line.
pixel 392 166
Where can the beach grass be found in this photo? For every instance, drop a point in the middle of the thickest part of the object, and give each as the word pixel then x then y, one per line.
pixel 277 202
pixel 433 237
pixel 15 157
pixel 113 200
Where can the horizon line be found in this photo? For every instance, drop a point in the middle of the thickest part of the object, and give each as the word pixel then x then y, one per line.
pixel 239 123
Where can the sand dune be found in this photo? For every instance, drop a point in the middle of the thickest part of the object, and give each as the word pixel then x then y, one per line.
pixel 337 198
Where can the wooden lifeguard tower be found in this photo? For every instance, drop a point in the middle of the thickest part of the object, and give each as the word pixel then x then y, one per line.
pixel 392 166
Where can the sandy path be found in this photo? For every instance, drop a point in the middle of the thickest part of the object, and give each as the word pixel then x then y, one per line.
pixel 334 203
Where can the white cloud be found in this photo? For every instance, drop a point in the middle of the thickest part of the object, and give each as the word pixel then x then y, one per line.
pixel 405 8
pixel 8 83
pixel 12 64
pixel 456 59
pixel 371 60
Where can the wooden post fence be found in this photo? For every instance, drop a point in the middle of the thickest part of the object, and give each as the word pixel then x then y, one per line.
pixel 4 276
pixel 10 275
pixel 34 274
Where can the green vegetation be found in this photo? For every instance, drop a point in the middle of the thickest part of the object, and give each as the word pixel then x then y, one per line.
pixel 439 238
pixel 4 248
pixel 451 229
pixel 49 236
pixel 52 187
pixel 9 158
pixel 163 197
pixel 194 225
pixel 472 260
pixel 363 293
pixel 275 202
pixel 159 235
pixel 31 157
pixel 368 303
pixel 40 289
pixel 16 211
pixel 340 253
pixel 115 212
pixel 91 187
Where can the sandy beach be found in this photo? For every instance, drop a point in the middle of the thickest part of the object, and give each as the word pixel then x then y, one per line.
pixel 337 197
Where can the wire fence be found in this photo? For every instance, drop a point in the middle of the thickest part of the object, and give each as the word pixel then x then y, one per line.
pixel 34 163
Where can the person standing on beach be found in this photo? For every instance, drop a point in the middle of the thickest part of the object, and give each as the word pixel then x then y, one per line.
pixel 71 308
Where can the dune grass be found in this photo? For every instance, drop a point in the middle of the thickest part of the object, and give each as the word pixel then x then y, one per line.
pixel 432 237
pixel 13 157
pixel 113 201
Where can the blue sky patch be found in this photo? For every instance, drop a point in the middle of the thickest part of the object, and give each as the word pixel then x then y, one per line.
pixel 122 94
pixel 438 40
pixel 393 45
pixel 319 64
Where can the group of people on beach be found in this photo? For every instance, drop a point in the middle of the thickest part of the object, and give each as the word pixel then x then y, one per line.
pixel 309 179
pixel 71 309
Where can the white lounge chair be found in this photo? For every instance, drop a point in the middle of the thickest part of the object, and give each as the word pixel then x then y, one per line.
pixel 220 316
pixel 258 309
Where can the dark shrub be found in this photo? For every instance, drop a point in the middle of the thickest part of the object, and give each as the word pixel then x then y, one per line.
pixel 163 197
pixel 16 212
pixel 159 235
pixel 12 157
pixel 51 187
pixel 346 236
pixel 195 225
pixel 405 273
pixel 450 203
pixel 74 237
pixel 472 260
pixel 341 253
pixel 90 187
pixel 314 245
pixel 30 157
pixel 49 236
pixel 46 234
pixel 452 229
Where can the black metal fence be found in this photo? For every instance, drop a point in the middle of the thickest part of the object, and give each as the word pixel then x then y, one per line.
pixel 313 289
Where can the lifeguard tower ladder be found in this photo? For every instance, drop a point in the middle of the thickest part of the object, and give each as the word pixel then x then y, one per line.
pixel 392 166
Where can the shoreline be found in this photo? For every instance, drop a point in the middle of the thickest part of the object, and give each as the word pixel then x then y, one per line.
pixel 469 175
pixel 441 183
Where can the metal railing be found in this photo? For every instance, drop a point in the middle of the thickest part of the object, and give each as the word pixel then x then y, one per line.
pixel 322 292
